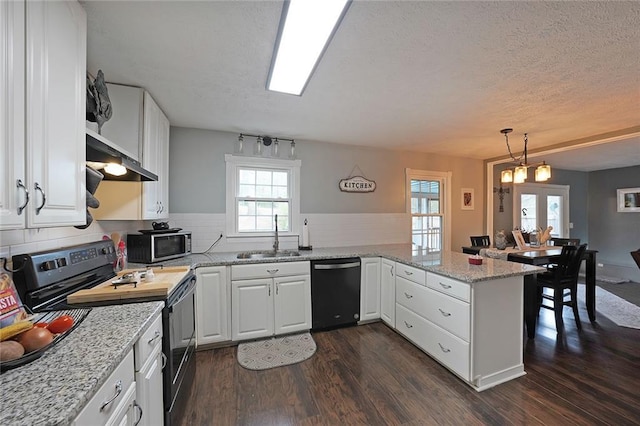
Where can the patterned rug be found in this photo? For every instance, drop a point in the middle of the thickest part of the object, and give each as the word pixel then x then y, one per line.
pixel 618 310
pixel 276 352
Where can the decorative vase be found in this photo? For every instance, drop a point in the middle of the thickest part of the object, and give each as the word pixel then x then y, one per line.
pixel 500 240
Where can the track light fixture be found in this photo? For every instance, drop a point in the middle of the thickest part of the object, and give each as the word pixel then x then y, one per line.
pixel 265 140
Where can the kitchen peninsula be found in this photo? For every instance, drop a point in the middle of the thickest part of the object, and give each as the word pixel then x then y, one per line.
pixel 467 317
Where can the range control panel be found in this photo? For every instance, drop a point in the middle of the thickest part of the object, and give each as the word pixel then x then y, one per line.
pixel 47 267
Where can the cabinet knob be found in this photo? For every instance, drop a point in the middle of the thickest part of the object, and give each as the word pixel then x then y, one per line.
pixel 444 314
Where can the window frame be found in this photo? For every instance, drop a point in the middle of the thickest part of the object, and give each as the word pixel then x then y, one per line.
pixel 445 179
pixel 235 162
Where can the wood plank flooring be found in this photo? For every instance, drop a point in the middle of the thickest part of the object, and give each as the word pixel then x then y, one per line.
pixel 369 375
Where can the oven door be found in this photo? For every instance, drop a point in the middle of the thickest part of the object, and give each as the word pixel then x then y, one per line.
pixel 179 348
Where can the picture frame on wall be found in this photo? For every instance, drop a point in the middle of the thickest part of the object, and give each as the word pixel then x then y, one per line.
pixel 468 199
pixel 628 200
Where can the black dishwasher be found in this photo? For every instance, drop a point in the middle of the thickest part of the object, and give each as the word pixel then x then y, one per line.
pixel 335 292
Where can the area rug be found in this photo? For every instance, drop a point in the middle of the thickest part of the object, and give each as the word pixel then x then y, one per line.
pixel 276 352
pixel 618 310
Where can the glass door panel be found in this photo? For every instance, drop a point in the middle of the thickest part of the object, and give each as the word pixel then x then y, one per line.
pixel 554 214
pixel 528 212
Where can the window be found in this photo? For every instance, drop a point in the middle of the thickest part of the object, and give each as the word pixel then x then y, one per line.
pixel 428 198
pixel 258 189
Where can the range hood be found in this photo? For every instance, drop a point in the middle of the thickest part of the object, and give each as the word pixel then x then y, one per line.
pixel 101 151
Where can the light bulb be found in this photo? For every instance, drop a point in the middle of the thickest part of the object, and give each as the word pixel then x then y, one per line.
pixel 115 169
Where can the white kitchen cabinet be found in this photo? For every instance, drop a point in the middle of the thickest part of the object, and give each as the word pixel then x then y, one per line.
pixel 148 367
pixel 213 302
pixel 155 148
pixel 114 399
pixel 473 329
pixel 44 151
pixel 149 396
pixel 139 200
pixel 270 298
pixel 388 292
pixel 370 289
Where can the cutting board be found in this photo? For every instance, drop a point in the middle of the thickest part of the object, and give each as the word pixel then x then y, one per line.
pixel 162 285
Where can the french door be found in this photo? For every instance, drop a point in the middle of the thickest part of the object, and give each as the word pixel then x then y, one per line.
pixel 539 206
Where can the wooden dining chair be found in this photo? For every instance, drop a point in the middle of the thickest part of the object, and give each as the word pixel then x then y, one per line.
pixel 562 279
pixel 565 241
pixel 480 241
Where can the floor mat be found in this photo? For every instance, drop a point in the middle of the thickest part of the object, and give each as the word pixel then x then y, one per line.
pixel 276 352
pixel 618 310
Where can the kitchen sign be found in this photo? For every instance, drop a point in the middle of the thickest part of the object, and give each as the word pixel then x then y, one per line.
pixel 357 184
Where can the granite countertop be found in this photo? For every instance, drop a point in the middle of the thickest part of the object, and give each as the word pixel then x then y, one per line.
pixel 53 389
pixel 450 264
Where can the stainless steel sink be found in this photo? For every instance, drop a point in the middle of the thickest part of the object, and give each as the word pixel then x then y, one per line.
pixel 267 254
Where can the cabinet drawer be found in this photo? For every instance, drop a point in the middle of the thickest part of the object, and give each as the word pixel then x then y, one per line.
pixel 148 342
pixel 113 392
pixel 446 348
pixel 411 295
pixel 451 314
pixel 409 272
pixel 449 286
pixel 262 270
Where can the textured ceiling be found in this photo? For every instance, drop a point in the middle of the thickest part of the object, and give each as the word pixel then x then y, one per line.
pixel 430 76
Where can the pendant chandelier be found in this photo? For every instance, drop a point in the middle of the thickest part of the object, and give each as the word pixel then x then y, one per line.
pixel 520 173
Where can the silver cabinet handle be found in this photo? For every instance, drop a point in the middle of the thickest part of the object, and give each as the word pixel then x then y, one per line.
pixel 277 288
pixel 445 286
pixel 44 197
pixel 136 405
pixel 155 336
pixel 443 349
pixel 164 360
pixel 157 206
pixel 408 273
pixel 407 295
pixel 445 314
pixel 392 271
pixel 118 392
pixel 408 325
pixel 269 289
pixel 19 184
pixel 273 271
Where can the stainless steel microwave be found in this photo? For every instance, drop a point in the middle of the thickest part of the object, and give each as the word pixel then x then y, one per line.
pixel 151 247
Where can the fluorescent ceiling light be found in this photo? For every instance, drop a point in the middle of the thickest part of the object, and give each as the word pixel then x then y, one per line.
pixel 306 26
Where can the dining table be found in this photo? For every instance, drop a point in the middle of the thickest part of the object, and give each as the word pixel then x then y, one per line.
pixel 540 256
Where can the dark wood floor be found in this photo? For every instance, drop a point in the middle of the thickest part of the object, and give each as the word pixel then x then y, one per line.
pixel 369 375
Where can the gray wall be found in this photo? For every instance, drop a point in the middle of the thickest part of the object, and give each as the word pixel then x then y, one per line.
pixel 614 234
pixel 197 178
pixel 578 210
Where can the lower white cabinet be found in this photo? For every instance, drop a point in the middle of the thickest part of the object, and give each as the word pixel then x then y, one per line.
pixel 113 402
pixel 388 292
pixel 473 329
pixel 148 367
pixel 278 303
pixel 213 302
pixel 370 289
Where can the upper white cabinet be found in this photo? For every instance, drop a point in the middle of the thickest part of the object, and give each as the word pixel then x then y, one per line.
pixel 43 161
pixel 370 289
pixel 149 126
pixel 155 201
